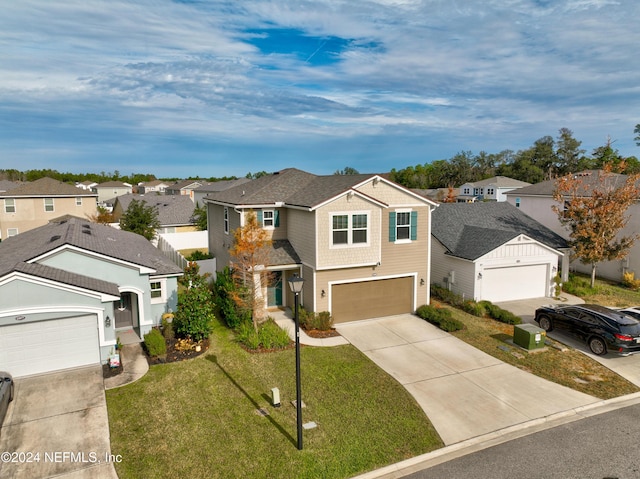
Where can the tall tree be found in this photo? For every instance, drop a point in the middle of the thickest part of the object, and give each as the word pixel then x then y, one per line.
pixel 347 171
pixel 594 210
pixel 249 260
pixel 636 130
pixel 140 218
pixel 200 215
pixel 569 154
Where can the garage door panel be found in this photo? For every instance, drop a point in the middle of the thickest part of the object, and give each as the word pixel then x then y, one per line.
pixel 371 299
pixel 43 346
pixel 513 283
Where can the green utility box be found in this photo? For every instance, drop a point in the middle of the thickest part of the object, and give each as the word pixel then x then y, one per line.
pixel 529 336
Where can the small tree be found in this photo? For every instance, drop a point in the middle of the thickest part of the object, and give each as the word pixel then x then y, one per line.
pixel 200 216
pixel 249 258
pixel 140 218
pixel 195 314
pixel 594 211
pixel 102 216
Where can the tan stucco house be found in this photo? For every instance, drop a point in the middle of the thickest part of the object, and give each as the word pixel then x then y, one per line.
pixel 34 204
pixel 361 242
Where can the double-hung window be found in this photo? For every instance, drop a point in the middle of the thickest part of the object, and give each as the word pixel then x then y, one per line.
pixel 9 205
pixel 157 290
pixel 267 219
pixel 403 225
pixel 48 205
pixel 349 229
pixel 78 200
pixel 226 220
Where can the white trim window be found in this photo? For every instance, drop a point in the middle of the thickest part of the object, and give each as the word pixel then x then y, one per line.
pixel 268 219
pixel 350 229
pixel 78 200
pixel 157 288
pixel 226 220
pixel 403 226
pixel 9 205
pixel 48 205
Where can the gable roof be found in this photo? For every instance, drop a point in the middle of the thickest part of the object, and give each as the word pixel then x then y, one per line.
pixel 222 185
pixel 172 209
pixel 292 187
pixel 178 185
pixel 589 179
pixel 471 230
pixel 46 187
pixel 19 253
pixel 500 182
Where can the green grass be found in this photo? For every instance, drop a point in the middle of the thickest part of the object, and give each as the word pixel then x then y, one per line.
pixel 198 418
pixel 606 293
pixel 570 368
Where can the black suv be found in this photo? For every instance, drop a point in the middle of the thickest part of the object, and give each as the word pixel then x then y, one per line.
pixel 603 329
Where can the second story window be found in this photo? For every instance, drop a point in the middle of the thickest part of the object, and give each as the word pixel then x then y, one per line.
pixel 350 229
pixel 403 226
pixel 48 205
pixel 9 205
pixel 79 201
pixel 517 202
pixel 226 220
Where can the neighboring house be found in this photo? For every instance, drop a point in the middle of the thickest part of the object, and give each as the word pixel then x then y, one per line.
pixel 86 185
pixel 155 186
pixel 109 190
pixel 438 195
pixel 537 201
pixel 492 251
pixel 361 242
pixel 68 288
pixel 34 204
pixel 491 189
pixel 6 185
pixel 213 187
pixel 175 213
pixel 184 188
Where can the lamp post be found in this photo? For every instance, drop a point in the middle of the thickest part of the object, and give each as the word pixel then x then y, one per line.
pixel 296 283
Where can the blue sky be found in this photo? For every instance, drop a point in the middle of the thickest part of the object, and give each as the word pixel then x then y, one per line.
pixel 221 88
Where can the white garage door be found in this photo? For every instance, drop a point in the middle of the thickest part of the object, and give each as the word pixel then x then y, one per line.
pixel 43 346
pixel 518 282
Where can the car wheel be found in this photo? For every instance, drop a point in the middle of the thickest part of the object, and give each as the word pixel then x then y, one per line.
pixel 597 346
pixel 545 323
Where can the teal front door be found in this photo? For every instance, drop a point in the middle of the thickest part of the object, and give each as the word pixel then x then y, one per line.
pixel 274 290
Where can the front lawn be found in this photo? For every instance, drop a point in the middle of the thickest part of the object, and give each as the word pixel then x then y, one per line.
pixel 570 368
pixel 198 418
pixel 606 293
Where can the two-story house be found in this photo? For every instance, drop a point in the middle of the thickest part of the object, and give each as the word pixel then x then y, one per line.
pixel 154 186
pixel 109 190
pixel 361 242
pixel 34 204
pixel 175 212
pixel 491 189
pixel 537 202
pixel 184 187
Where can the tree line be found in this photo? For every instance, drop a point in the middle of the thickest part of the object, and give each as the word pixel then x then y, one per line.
pixel 547 158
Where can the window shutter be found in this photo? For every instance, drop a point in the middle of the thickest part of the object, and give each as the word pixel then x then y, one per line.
pixel 276 219
pixel 259 217
pixel 392 226
pixel 414 225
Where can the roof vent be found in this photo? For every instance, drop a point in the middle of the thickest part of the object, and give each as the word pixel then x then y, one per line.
pixel 54 238
pixel 87 232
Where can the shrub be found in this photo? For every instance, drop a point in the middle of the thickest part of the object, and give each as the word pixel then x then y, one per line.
pixel 474 308
pixel 154 343
pixel 225 291
pixel 440 317
pixel 579 286
pixel 194 317
pixel 499 314
pixel 322 321
pixel 443 294
pixel 247 335
pixel 198 255
pixel 268 336
pixel 629 280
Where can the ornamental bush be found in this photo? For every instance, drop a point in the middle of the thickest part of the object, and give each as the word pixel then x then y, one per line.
pixel 154 343
pixel 440 317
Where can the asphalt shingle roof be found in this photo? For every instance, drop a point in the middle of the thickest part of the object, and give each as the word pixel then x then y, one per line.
pixel 589 179
pixel 471 230
pixel 47 187
pixel 17 251
pixel 172 209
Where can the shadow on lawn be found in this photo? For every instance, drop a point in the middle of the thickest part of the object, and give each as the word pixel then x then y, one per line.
pixel 214 359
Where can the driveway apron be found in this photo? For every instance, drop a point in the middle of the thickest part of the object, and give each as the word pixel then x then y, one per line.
pixel 58 426
pixel 464 391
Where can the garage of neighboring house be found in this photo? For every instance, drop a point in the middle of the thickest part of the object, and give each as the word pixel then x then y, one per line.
pixel 515 282
pixel 372 299
pixel 49 345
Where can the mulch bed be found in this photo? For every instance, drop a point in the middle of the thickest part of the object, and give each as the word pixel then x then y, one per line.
pixel 109 372
pixel 319 334
pixel 174 355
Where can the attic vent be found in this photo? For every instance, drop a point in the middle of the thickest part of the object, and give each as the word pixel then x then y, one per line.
pixel 54 238
pixel 87 226
pixel 87 232
pixel 62 222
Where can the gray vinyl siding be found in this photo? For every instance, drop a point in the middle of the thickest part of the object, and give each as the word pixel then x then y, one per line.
pixel 442 265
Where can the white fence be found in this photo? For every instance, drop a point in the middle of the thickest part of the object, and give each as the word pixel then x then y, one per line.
pixel 171 243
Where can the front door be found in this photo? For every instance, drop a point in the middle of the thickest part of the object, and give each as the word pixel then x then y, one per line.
pixel 123 311
pixel 274 289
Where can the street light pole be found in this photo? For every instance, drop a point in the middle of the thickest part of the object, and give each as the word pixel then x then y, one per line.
pixel 296 283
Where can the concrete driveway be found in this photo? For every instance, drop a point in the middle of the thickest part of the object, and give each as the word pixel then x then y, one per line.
pixel 628 367
pixel 57 425
pixel 464 392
